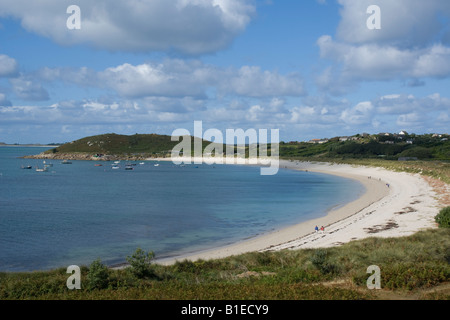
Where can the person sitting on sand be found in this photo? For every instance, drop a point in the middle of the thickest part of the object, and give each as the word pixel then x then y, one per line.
pixel 317 229
pixel 322 229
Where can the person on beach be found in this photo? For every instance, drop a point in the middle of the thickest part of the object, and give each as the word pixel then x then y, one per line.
pixel 317 229
pixel 322 229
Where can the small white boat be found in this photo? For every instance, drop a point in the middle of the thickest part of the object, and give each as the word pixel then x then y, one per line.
pixel 156 165
pixel 141 163
pixel 66 162
pixel 41 169
pixel 47 164
pixel 115 167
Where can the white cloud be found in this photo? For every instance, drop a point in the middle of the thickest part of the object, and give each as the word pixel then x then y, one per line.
pixel 253 82
pixel 181 78
pixel 411 120
pixel 8 66
pixel 186 26
pixel 171 78
pixel 321 116
pixel 358 115
pixel 405 104
pixel 80 76
pixel 409 46
pixel 29 90
pixel 404 23
pixel 380 63
pixel 3 101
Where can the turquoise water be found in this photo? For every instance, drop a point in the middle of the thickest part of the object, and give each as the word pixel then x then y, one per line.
pixel 76 213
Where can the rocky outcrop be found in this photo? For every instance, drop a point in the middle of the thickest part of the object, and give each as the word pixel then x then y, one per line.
pixel 86 157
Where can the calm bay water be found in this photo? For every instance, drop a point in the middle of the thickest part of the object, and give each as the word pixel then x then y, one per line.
pixel 76 213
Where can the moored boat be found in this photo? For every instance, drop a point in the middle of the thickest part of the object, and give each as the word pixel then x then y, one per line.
pixel 47 164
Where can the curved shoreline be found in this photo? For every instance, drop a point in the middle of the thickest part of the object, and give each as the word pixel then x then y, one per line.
pixel 384 210
pixel 395 204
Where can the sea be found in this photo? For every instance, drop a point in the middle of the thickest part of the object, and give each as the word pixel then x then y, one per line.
pixel 76 213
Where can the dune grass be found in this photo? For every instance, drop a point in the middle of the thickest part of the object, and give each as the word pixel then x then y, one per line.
pixel 408 265
pixel 435 169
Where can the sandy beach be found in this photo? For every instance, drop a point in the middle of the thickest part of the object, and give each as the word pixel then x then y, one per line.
pixel 395 204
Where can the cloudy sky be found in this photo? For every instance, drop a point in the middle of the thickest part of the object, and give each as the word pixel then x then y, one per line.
pixel 311 68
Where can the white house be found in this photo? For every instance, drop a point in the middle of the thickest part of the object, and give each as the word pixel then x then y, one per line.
pixel 318 141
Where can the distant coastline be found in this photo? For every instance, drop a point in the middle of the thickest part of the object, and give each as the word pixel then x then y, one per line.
pixel 84 156
pixel 30 145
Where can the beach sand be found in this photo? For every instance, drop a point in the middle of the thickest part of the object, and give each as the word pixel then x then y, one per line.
pixel 395 204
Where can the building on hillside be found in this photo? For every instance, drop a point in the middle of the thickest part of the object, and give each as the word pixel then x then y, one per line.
pixel 318 141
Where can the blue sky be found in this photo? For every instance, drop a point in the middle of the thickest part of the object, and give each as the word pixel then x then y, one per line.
pixel 311 68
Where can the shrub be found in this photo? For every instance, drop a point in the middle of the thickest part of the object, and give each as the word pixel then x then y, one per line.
pixel 418 152
pixel 140 263
pixel 320 260
pixel 414 275
pixel 186 266
pixel 98 276
pixel 443 218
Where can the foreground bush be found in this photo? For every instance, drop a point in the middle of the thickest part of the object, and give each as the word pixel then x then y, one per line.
pixel 443 218
pixel 408 265
pixel 98 276
pixel 322 262
pixel 140 264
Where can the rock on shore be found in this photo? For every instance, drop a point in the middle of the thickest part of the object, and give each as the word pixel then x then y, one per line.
pixel 85 156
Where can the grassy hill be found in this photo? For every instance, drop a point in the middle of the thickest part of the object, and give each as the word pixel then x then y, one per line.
pixel 383 146
pixel 115 144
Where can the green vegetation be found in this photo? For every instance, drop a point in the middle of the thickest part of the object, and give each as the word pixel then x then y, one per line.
pixel 443 218
pixel 384 146
pixel 435 169
pixel 98 276
pixel 140 264
pixel 416 267
pixel 144 145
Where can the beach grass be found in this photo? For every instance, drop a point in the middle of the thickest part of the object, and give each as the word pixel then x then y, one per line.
pixel 439 170
pixel 413 267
